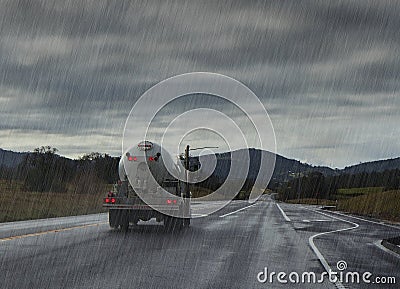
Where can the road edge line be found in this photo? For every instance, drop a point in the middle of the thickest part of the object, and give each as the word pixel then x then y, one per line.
pixel 225 215
pixel 317 252
pixel 383 248
pixel 15 237
pixel 283 213
pixel 365 220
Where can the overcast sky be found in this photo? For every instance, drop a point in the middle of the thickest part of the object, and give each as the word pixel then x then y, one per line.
pixel 326 71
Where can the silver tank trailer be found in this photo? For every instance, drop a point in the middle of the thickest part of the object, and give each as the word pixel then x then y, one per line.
pixel 147 166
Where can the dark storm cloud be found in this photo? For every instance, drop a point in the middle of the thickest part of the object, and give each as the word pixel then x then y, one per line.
pixel 71 18
pixel 73 67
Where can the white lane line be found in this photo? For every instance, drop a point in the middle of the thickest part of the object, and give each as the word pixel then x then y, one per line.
pixel 364 220
pixel 380 246
pixel 309 221
pixel 378 243
pixel 49 231
pixel 199 215
pixel 283 213
pixel 237 210
pixel 321 258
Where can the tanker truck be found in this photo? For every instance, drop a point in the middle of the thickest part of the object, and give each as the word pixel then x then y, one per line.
pixel 150 186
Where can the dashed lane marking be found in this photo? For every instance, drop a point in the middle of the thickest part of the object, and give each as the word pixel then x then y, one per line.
pixel 231 213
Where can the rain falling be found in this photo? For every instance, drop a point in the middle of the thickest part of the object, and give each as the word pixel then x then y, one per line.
pixel 199 144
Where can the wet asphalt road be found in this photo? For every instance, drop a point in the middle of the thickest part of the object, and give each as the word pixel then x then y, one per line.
pixel 227 249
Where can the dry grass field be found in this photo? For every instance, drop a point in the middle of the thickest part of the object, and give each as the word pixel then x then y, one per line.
pixel 18 204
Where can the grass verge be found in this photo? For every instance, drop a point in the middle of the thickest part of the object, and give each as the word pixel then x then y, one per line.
pixel 355 192
pixel 383 205
pixel 310 201
pixel 17 204
pixel 198 192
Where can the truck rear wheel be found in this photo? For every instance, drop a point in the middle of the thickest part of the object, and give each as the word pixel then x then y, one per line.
pixel 186 222
pixel 172 223
pixel 179 222
pixel 113 218
pixel 124 221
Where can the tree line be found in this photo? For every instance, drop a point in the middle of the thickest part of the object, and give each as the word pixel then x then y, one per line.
pixel 316 185
pixel 44 170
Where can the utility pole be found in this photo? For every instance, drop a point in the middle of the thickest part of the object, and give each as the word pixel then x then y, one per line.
pixel 187 163
pixel 186 199
pixel 187 213
pixel 299 180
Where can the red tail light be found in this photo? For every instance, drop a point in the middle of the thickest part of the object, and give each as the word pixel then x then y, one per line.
pixel 131 158
pixel 169 201
pixel 107 200
pixel 112 201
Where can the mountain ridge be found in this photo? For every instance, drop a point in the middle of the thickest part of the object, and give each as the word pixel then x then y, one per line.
pixel 285 168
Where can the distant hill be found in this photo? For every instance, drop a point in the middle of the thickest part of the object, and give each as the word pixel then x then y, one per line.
pixel 288 168
pixel 285 168
pixel 11 159
pixel 375 166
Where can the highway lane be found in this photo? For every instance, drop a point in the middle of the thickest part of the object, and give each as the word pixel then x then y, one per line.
pixel 227 249
pixel 352 239
pixel 20 228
